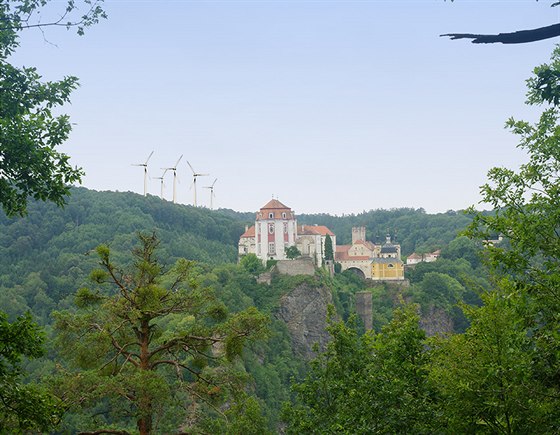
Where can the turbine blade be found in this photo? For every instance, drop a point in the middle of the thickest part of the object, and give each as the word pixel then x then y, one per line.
pixel 149 157
pixel 192 169
pixel 177 164
pixel 214 182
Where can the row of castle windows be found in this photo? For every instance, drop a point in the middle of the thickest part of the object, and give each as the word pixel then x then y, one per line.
pixel 271 228
pixel 271 216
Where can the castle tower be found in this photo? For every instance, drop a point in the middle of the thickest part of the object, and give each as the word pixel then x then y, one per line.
pixel 275 230
pixel 358 233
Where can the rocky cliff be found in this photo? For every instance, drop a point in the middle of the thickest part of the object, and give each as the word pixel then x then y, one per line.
pixel 436 322
pixel 304 310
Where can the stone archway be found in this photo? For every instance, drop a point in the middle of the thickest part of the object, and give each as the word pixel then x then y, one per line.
pixel 357 271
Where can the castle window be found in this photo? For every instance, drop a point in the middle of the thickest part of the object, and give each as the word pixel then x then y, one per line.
pixel 271 228
pixel 271 215
pixel 271 248
pixel 284 215
pixel 285 227
pixel 390 265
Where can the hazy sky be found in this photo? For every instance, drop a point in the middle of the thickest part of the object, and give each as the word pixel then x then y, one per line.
pixel 331 106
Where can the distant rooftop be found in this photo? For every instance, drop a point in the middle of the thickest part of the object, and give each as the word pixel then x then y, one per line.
pixel 274 204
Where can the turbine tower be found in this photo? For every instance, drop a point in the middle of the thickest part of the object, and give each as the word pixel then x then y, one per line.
pixel 162 183
pixel 195 176
pixel 174 169
pixel 145 164
pixel 211 193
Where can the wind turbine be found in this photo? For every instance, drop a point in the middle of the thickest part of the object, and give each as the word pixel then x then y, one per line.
pixel 211 193
pixel 162 183
pixel 174 169
pixel 195 176
pixel 145 164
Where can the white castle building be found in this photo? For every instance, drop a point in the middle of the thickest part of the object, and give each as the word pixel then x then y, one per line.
pixel 276 229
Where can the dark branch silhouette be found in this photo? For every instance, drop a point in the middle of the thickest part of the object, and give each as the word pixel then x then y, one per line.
pixel 519 37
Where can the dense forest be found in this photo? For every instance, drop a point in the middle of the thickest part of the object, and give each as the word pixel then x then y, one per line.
pixel 121 313
pixel 50 253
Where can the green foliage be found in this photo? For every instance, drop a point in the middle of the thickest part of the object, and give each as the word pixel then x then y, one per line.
pixel 487 377
pixel 52 250
pixel 23 407
pixel 465 248
pixel 438 289
pixel 375 383
pixel 270 264
pixel 252 264
pixel 30 132
pixel 292 252
pixel 527 212
pixel 544 87
pixel 415 230
pixel 149 337
pixel 329 253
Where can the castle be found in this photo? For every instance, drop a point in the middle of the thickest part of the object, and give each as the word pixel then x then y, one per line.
pixel 276 230
pixel 371 261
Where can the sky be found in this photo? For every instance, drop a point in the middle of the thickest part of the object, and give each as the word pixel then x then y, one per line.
pixel 329 106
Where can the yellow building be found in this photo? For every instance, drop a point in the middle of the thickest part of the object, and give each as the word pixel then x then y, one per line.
pixel 387 269
pixel 371 261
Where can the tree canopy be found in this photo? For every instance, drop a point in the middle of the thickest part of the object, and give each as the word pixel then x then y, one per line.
pixel 153 336
pixel 30 132
pixel 23 407
pixel 527 212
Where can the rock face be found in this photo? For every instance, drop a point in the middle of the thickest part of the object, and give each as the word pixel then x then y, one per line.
pixel 364 308
pixel 436 322
pixel 304 310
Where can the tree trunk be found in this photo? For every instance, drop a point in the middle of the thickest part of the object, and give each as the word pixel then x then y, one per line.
pixel 144 423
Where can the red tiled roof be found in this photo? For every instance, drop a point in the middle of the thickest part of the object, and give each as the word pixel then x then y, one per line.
pixel 274 204
pixel 366 243
pixel 343 256
pixel 316 229
pixel 249 233
pixel 415 256
pixel 276 209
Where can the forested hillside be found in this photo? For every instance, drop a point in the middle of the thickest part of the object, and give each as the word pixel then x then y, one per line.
pixel 49 254
pixel 414 230
pixel 125 314
pixel 46 255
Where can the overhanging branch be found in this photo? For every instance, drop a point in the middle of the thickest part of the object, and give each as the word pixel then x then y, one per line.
pixel 519 37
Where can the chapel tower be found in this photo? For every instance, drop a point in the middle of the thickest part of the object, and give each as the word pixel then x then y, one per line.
pixel 275 230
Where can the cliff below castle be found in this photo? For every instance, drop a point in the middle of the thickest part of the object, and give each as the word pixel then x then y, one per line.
pixel 304 310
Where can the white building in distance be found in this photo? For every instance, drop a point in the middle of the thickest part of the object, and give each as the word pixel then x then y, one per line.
pixel 276 229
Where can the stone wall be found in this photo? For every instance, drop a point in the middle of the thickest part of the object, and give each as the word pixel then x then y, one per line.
pixel 300 266
pixel 364 308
